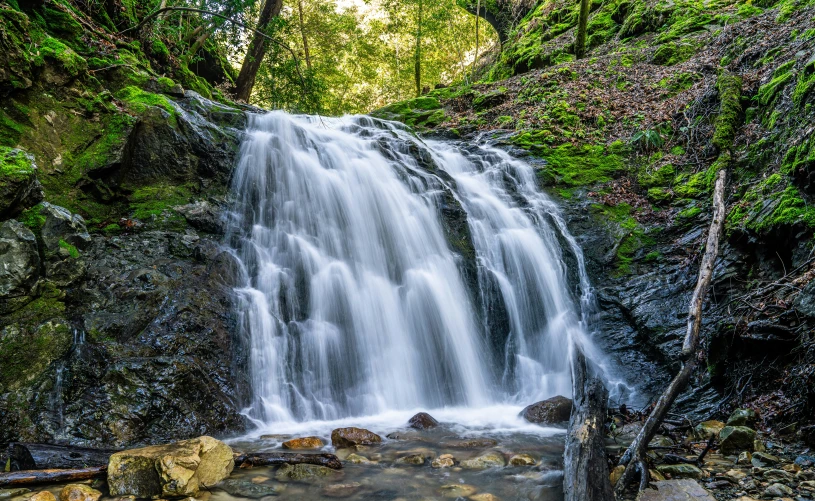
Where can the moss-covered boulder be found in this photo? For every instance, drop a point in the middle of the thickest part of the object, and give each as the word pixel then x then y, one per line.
pixel 19 187
pixel 15 61
pixel 305 473
pixel 173 470
pixel 734 439
pixel 421 112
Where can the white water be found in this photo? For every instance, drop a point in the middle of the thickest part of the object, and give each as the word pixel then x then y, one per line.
pixel 354 302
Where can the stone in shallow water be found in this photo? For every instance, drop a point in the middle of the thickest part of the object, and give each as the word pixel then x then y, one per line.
pixel 550 411
pixel 10 493
pixel 341 490
pixel 457 490
pixel 443 461
pixel 304 473
pixel 488 460
pixel 680 470
pixel 522 460
pixel 43 496
pixel 349 437
pixel 304 443
pixel 251 490
pixel 412 459
pixel 486 496
pixel 705 429
pixel 675 490
pixel 79 492
pixel 357 459
pixel 471 443
pixel 422 421
pixel 179 469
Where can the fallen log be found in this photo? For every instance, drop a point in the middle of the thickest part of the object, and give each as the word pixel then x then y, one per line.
pixel 279 458
pixel 23 456
pixel 585 472
pixel 30 477
pixel 634 457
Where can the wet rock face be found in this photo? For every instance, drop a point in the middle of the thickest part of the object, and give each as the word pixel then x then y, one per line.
pixel 19 262
pixel 550 411
pixel 19 187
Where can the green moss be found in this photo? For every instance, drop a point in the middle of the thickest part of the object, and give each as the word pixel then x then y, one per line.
pixel 634 236
pixel 689 213
pixel 805 85
pixel 729 87
pixel 658 177
pixel 138 100
pixel 573 166
pixel 421 112
pixel 781 76
pixel 160 50
pixel 678 82
pixel 15 164
pixel 32 218
pixel 70 61
pixel 698 184
pixel 673 53
pixel 150 202
pixel 72 251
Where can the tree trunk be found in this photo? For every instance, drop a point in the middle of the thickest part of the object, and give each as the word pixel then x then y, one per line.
pixel 634 457
pixel 44 456
pixel 585 472
pixel 582 24
pixel 477 18
pixel 417 64
pixel 303 34
pixel 256 51
pixel 278 458
pixel 31 477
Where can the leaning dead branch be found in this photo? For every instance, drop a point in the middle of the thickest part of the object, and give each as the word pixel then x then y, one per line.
pixel 634 457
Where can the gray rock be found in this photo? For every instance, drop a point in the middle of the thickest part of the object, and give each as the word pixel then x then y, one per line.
pixel 777 490
pixel 244 489
pixel 550 411
pixel 422 421
pixel 763 460
pixel 743 417
pixel 675 490
pixel 805 300
pixel 13 492
pixel 306 473
pixel 19 187
pixel 681 471
pixel 734 439
pixel 204 216
pixel 19 263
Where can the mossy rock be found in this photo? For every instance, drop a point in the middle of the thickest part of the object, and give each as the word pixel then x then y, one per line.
pixel 19 187
pixel 16 64
pixel 421 112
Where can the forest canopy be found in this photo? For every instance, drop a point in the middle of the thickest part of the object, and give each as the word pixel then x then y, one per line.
pixel 327 56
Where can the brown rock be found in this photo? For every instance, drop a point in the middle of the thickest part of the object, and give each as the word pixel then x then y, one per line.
pixel 43 496
pixel 443 461
pixel 341 490
pixel 675 490
pixel 422 421
pixel 349 437
pixel 79 492
pixel 550 411
pixel 522 460
pixel 304 443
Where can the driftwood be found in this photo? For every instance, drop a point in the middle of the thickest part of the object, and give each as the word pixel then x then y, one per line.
pixel 585 475
pixel 634 457
pixel 30 477
pixel 24 456
pixel 278 458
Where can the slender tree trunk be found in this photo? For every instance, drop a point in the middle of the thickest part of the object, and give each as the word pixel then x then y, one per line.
pixel 477 18
pixel 417 65
pixel 582 23
pixel 303 34
pixel 256 51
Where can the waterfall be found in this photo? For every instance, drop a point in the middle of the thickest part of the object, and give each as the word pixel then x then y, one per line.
pixel 355 302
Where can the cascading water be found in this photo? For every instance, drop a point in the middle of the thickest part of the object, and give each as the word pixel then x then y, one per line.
pixel 354 301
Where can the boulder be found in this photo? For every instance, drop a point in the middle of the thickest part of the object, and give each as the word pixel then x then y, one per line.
pixel 484 496
pixel 680 471
pixel 305 473
pixel 203 216
pixel 705 429
pixel 734 439
pixel 349 437
pixel 522 460
pixel 19 187
pixel 357 459
pixel 493 459
pixel 304 443
pixel 19 261
pixel 251 490
pixel 778 491
pixel 744 458
pixel 550 411
pixel 13 492
pixel 79 492
pixel 65 238
pixel 743 417
pixel 675 490
pixel 173 470
pixel 422 421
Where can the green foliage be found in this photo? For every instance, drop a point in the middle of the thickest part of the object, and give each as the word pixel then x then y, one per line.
pixel 647 140
pixel 729 87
